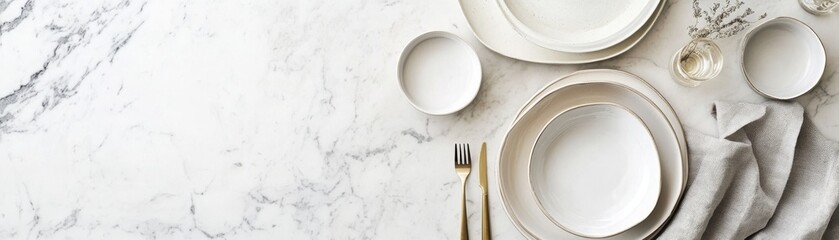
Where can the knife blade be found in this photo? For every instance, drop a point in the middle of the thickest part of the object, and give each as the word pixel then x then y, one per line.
pixel 482 172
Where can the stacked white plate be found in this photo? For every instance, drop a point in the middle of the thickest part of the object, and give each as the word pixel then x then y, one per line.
pixel 596 154
pixel 563 31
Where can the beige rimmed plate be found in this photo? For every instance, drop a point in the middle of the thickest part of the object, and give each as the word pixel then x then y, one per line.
pixel 670 141
pixel 623 78
pixel 490 26
pixel 577 26
pixel 595 170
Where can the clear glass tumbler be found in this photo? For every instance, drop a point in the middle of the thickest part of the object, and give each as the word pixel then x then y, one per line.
pixel 699 60
pixel 819 7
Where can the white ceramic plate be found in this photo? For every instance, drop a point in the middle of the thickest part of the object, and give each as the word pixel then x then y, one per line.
pixel 783 58
pixel 595 171
pixel 629 80
pixel 577 25
pixel 439 73
pixel 490 26
pixel 670 142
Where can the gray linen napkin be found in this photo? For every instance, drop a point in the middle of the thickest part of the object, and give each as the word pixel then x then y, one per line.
pixel 770 175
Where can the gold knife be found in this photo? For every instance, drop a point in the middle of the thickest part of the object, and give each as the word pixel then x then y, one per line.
pixel 482 173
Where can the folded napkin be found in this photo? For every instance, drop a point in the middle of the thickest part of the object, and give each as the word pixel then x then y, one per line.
pixel 769 175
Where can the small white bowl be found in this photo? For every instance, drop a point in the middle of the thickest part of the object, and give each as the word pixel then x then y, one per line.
pixel 782 58
pixel 439 73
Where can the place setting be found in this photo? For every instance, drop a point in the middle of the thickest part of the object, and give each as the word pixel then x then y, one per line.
pixel 602 154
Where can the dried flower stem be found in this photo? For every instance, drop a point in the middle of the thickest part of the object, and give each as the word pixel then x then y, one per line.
pixel 719 21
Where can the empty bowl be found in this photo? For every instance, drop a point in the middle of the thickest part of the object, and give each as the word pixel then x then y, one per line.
pixel 439 73
pixel 595 170
pixel 782 58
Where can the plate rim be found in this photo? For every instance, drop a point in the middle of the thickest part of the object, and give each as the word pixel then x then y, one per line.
pixel 561 59
pixel 544 41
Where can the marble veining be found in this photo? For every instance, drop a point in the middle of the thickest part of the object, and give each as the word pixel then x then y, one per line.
pixel 278 119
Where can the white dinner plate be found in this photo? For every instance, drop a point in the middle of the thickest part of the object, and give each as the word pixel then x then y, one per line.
pixel 577 25
pixel 783 58
pixel 670 142
pixel 623 78
pixel 439 73
pixel 490 26
pixel 595 170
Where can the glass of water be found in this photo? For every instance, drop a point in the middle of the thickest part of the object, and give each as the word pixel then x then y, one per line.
pixel 699 60
pixel 819 7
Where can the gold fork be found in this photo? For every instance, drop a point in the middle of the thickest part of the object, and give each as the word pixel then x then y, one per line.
pixel 463 165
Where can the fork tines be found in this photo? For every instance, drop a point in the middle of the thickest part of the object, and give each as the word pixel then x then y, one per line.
pixel 462 154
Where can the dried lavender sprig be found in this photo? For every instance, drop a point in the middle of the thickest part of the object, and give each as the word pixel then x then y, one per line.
pixel 716 23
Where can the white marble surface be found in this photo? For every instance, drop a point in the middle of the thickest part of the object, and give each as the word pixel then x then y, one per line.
pixel 275 119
